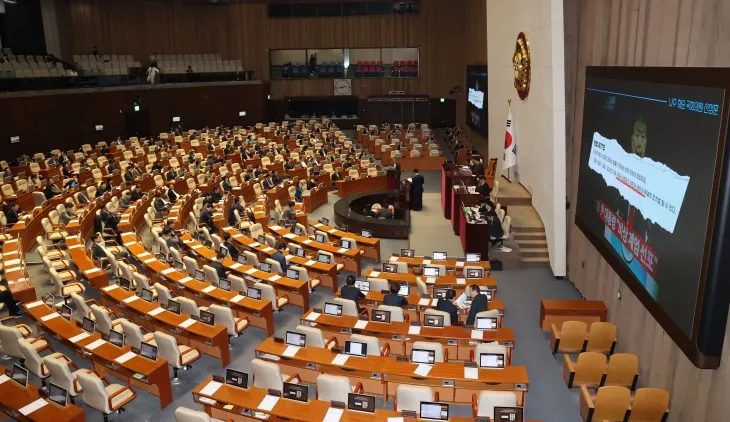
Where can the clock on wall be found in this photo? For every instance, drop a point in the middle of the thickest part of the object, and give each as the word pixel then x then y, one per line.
pixel 343 87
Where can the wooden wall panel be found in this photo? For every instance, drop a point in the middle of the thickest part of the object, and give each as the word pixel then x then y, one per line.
pixel 648 33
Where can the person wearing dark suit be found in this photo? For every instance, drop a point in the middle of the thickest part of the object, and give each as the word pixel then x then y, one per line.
pixel 171 175
pixel 278 256
pixel 447 305
pixel 298 193
pixel 156 166
pixel 231 213
pixel 267 183
pixel 159 203
pixel 258 171
pixel 172 195
pixel 393 298
pixel 218 265
pixel 483 187
pixel 226 185
pixel 232 249
pixel 128 175
pixel 275 178
pixel 216 195
pixel 417 182
pixel 477 168
pixel 111 168
pixel 206 217
pixel 12 213
pixel 479 303
pixel 135 193
pixel 126 200
pixel 349 291
pixel 311 184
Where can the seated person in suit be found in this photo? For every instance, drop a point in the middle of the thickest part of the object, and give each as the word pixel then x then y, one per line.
pixel 349 291
pixel 68 214
pixel 483 187
pixel 171 194
pixel 159 204
pixel 235 207
pixel 275 178
pixel 496 231
pixel 136 194
pixel 156 166
pixel 171 175
pixel 298 193
pixel 71 183
pixel 111 168
pixel 393 299
pixel 479 303
pixel 126 200
pixel 311 184
pixel 288 213
pixel 170 239
pixel 206 217
pixel 216 195
pixel 218 265
pixel 102 189
pixel 447 305
pixel 12 213
pixel 268 183
pixel 278 256
pixel 228 243
pixel 227 185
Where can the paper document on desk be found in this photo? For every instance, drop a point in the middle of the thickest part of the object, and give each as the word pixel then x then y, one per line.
pixel 198 246
pixel 131 299
pixel 396 419
pixel 125 357
pixel 332 231
pixel 333 415
pixel 236 266
pixel 430 280
pixel 208 289
pixel 340 359
pixel 251 271
pixel 207 400
pixel 342 250
pixel 156 311
pixel 40 302
pixel 422 369
pixel 91 271
pixel 95 344
pixel 477 335
pixel 414 329
pixel 236 298
pixel 255 245
pixel 211 388
pixel 374 274
pixel 149 261
pixel 144 255
pixel 184 280
pixel 459 264
pixel 275 228
pixel 434 302
pixel 268 249
pixel 49 316
pixel 426 261
pixel 187 323
pixel 310 263
pixel 424 301
pixel 461 301
pixel 32 407
pixel 460 280
pixel 268 403
pixel 312 316
pixel 471 373
pixel 290 351
pixel 360 325
pixel 167 271
pixel 4 378
pixel 290 235
pixel 274 277
pixel 307 242
pixel 393 259
pixel 77 338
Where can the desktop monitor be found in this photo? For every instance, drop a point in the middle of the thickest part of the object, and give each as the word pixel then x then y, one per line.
pixel 360 403
pixel 433 320
pixel 430 272
pixel 147 295
pixel 242 259
pixel 363 285
pixel 116 338
pixel 474 273
pixel 292 273
pixel 161 257
pixel 423 356
pixel 380 315
pixel 407 253
pixel 265 267
pixel 346 244
pixel 207 317
pixel 325 221
pixel 88 325
pixel 261 239
pixel 236 378
pixel 298 231
pixel 66 312
pixel 149 351
pixel 295 392
pixel 299 252
pixel 49 300
pixel 57 395
pixel 332 309
pixel 390 268
pixel 355 348
pixel 324 258
pixel 319 238
pixel 508 414
pixel 434 411
pixel 473 257
pixel 199 275
pixel 174 306
pixel 491 360
pixel 366 233
pixel 223 250
pixel 254 293
pixel 403 290
pixel 20 375
pixel 486 323
pixel 439 256
pixel 179 266
pixel 196 236
pixel 224 284
pixel 296 339
pixel 440 293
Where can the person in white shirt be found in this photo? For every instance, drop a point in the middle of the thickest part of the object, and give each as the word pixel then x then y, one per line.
pixel 152 72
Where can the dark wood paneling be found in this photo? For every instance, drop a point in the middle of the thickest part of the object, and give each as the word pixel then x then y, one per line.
pixel 67 120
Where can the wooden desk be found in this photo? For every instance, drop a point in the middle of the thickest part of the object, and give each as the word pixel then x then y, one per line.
pixel 280 192
pixel 315 199
pixel 350 257
pixel 424 162
pixel 312 411
pixel 381 375
pixel 346 188
pixel 457 197
pixel 456 339
pixel 26 230
pixel 259 312
pixel 18 279
pixel 210 340
pixel 140 373
pixel 473 235
pixel 449 263
pixel 297 290
pixel 558 311
pixel 327 273
pixel 370 245
pixel 416 305
pixel 447 281
pixel 13 397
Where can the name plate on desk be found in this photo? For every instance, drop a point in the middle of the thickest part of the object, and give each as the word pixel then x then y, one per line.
pixel 401 358
pixel 345 331
pixel 396 337
pixel 408 413
pixel 453 342
pixel 375 376
pixel 448 383
pixel 508 344
pixel 521 387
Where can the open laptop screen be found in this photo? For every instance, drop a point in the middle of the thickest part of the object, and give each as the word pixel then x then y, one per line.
pixel 491 360
pixel 434 411
pixel 423 356
pixel 361 403
pixel 332 309
pixel 296 339
pixel 236 378
pixel 356 348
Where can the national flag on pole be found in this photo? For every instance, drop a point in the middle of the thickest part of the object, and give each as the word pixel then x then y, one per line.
pixel 510 143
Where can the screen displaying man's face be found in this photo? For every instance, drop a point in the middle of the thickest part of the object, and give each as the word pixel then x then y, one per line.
pixel 638 139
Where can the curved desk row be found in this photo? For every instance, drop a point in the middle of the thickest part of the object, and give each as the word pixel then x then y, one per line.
pixel 259 312
pixel 448 281
pixel 351 258
pixel 138 372
pixel 348 187
pixel 370 245
pixel 449 263
pixel 381 375
pixel 16 275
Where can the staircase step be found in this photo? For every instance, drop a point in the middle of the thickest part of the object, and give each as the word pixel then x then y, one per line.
pixel 538 262
pixel 532 243
pixel 533 229
pixel 534 252
pixel 528 236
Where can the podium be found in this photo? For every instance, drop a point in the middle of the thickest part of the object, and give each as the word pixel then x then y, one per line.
pixel 451 176
pixel 460 198
pixel 404 195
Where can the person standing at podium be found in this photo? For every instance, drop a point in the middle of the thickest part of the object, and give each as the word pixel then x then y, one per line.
pixel 417 182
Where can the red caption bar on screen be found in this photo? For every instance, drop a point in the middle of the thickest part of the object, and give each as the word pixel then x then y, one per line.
pixel 631 240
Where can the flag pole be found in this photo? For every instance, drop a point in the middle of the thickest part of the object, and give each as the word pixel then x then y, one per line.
pixel 509 104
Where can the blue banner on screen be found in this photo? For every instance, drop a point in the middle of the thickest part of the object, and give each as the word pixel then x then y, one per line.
pixel 476 98
pixel 646 175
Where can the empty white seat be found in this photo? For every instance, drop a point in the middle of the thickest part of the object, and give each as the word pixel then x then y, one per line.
pixel 409 397
pixel 335 388
pixel 177 356
pixel 446 315
pixel 438 349
pixel 106 399
pixel 268 375
pixel 315 338
pixel 396 312
pixel 183 414
pixel 489 399
pixel 373 345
